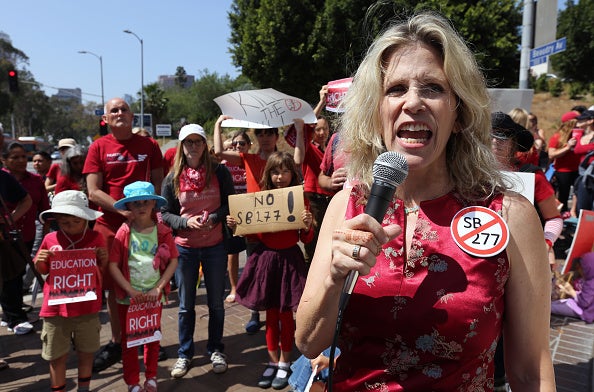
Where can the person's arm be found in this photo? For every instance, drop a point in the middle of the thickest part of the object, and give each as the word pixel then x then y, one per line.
pixel 317 312
pixel 121 281
pixel 322 102
pixel 157 292
pixel 99 197
pixel 21 208
pixel 527 301
pixel 157 178
pixel 560 151
pixel 232 157
pixel 170 212
pixel 299 153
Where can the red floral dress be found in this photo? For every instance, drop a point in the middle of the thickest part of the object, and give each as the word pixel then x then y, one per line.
pixel 426 321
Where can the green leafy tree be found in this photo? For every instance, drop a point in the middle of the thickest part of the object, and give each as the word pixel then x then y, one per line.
pixel 326 39
pixel 181 77
pixel 576 22
pixel 156 103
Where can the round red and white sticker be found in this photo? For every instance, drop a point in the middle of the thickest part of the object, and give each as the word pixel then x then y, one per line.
pixel 479 231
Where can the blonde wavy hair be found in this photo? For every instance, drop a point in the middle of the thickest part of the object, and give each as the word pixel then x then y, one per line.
pixel 470 162
pixel 520 116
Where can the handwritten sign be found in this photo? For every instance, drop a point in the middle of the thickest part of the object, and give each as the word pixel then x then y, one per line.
pixel 73 276
pixel 337 90
pixel 265 108
pixel 143 323
pixel 268 211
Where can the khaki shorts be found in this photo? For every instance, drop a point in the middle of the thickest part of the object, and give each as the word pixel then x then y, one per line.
pixel 59 333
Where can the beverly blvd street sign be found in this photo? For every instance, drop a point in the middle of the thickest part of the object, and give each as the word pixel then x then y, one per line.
pixel 540 55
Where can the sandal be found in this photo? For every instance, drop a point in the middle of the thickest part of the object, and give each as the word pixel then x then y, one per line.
pixel 230 298
pixel 150 385
pixel 135 388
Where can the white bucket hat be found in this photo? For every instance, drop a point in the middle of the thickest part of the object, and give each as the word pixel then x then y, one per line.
pixel 73 203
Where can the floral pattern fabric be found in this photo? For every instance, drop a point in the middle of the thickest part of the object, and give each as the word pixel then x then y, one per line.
pixel 427 319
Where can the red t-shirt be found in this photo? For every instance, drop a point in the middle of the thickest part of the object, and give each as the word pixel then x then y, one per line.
pixel 34 186
pixel 121 163
pixel 311 169
pixel 254 169
pixel 65 183
pixel 57 241
pixel 566 163
pixel 168 159
pixel 54 172
pixel 542 187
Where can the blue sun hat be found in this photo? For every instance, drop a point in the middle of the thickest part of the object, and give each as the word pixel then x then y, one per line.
pixel 139 190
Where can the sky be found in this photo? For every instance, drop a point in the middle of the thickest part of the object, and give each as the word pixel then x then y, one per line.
pixel 193 34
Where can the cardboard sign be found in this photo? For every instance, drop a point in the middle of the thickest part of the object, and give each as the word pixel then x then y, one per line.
pixel 265 108
pixel 268 211
pixel 143 323
pixel 337 90
pixel 73 276
pixel 583 239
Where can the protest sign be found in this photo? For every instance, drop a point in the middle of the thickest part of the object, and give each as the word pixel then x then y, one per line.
pixel 522 182
pixel 73 276
pixel 143 322
pixel 583 239
pixel 337 90
pixel 268 211
pixel 265 108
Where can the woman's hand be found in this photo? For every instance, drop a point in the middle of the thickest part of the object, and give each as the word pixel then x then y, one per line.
pixel 356 245
pixel 153 294
pixel 307 218
pixel 136 296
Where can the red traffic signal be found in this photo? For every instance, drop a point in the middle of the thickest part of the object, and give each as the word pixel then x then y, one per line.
pixel 102 127
pixel 13 81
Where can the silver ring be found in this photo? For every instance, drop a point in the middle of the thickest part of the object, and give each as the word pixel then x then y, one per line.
pixel 356 250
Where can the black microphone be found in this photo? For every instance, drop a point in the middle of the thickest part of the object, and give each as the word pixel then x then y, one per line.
pixel 389 171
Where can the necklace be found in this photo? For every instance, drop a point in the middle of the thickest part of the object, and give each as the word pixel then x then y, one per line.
pixel 411 210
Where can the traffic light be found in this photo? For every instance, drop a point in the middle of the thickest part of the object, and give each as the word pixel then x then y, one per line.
pixel 102 127
pixel 13 81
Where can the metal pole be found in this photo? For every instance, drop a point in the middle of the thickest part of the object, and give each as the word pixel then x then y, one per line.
pixel 527 31
pixel 101 69
pixel 141 76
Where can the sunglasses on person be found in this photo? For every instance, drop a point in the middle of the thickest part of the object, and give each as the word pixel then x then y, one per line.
pixel 190 142
pixel 241 143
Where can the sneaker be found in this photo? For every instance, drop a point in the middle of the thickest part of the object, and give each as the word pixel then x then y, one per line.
pixel 181 367
pixel 22 328
pixel 135 388
pixel 254 324
pixel 110 354
pixel 219 362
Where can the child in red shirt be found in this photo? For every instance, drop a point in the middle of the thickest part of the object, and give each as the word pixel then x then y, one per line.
pixel 77 321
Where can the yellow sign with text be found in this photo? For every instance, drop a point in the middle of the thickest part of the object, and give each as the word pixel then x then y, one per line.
pixel 268 211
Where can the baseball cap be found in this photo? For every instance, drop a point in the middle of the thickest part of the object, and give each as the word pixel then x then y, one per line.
pixel 191 129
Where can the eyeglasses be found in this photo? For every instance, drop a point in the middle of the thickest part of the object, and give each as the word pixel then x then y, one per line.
pixel 190 142
pixel 241 143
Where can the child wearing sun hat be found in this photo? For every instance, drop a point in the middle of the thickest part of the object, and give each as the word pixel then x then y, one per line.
pixel 142 261
pixel 75 323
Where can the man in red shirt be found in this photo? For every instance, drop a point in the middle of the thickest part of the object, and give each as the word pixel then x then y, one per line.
pixel 114 161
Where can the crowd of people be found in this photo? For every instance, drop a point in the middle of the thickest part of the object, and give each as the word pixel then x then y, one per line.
pixel 432 310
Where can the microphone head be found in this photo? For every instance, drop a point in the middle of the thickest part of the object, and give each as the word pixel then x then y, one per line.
pixel 390 167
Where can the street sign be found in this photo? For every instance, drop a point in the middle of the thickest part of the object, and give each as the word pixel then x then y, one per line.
pixel 163 129
pixel 98 112
pixel 147 123
pixel 540 55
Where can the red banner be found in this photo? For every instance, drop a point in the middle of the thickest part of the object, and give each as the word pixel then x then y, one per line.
pixel 143 323
pixel 583 239
pixel 337 89
pixel 73 276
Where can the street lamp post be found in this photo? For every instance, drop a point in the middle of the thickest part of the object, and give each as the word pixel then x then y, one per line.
pixel 101 68
pixel 141 76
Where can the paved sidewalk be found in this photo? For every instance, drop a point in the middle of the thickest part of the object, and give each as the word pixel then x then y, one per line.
pixel 246 355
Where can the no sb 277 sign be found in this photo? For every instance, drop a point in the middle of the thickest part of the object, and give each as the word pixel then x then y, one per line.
pixel 268 211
